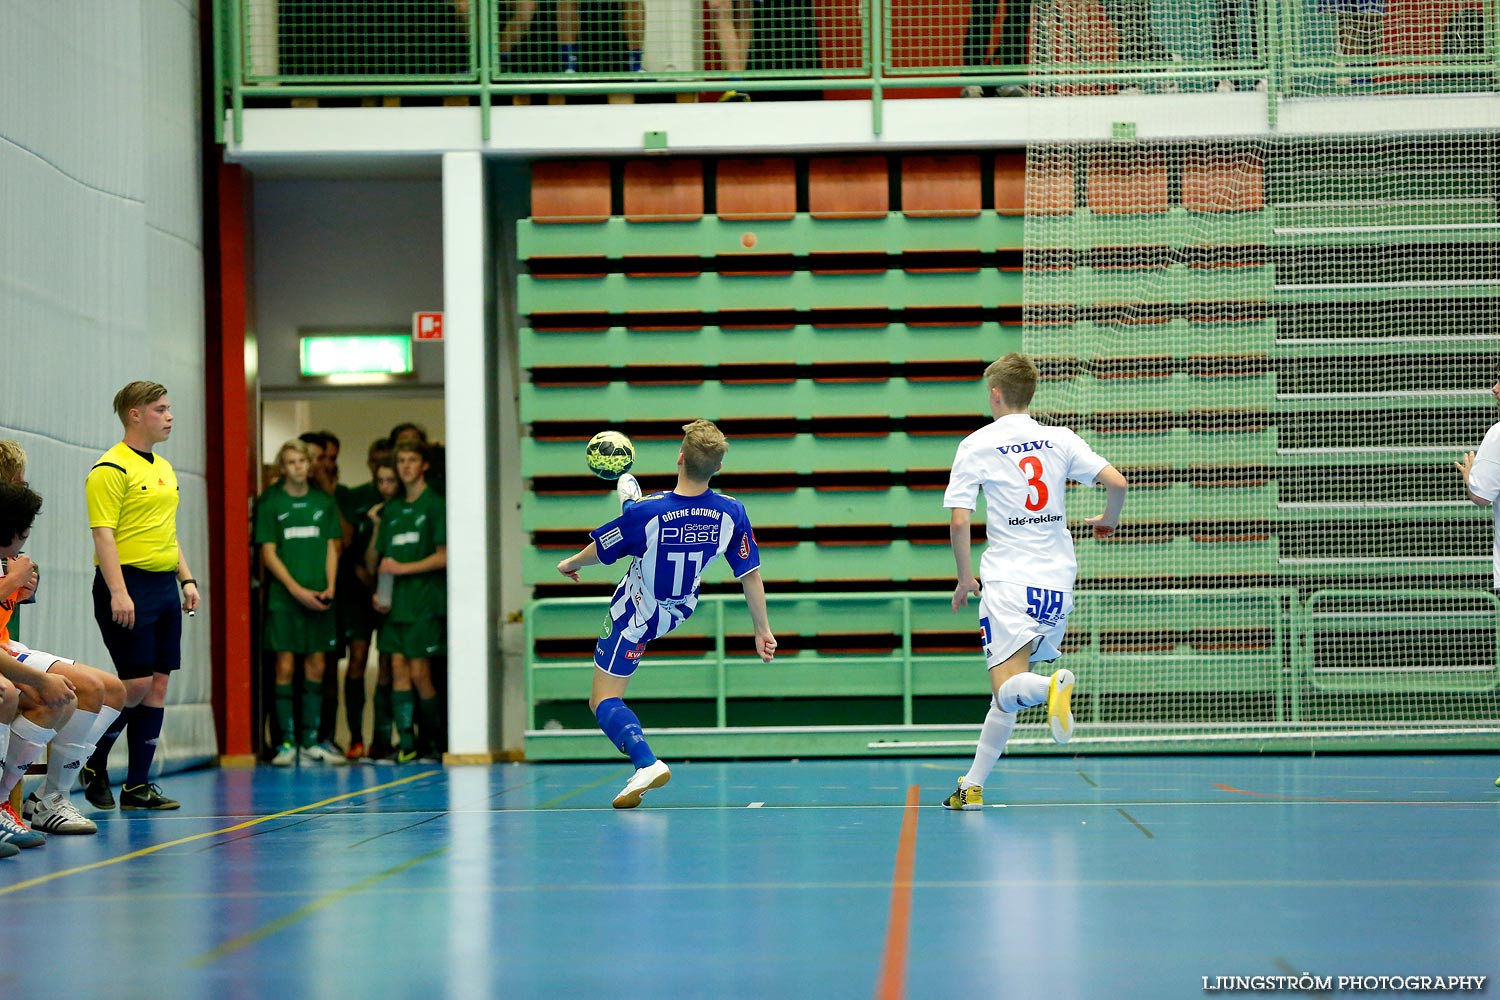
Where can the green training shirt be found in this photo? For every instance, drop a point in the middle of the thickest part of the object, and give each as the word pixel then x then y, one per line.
pixel 411 530
pixel 300 528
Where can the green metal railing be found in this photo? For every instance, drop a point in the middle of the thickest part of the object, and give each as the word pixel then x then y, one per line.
pixel 476 51
pixel 1352 696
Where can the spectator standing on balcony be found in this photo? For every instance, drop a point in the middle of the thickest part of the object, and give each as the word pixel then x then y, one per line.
pixel 1481 474
pixel 734 29
pixel 523 13
pixel 1138 40
pixel 1011 52
pixel 519 26
pixel 1231 17
pixel 1357 30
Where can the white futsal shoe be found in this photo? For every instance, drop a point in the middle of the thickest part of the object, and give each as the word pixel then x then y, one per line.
pixel 55 813
pixel 1059 702
pixel 628 489
pixel 642 781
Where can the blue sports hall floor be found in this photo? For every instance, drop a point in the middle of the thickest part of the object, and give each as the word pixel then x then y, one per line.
pixel 1083 877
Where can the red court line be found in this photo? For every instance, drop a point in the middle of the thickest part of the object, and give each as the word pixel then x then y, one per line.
pixel 1293 798
pixel 892 983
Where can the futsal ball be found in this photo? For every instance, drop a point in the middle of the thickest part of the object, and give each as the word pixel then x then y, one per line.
pixel 609 454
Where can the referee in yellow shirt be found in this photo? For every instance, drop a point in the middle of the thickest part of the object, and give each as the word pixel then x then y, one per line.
pixel 132 498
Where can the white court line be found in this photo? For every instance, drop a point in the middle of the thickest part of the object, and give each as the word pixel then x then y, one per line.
pixel 1111 804
pixel 755 805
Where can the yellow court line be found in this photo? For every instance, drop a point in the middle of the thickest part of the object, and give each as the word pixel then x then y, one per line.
pixel 43 879
pixel 322 902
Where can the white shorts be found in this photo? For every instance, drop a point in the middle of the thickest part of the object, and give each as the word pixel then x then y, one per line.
pixel 34 658
pixel 1013 615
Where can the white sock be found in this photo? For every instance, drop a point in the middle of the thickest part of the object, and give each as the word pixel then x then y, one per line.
pixel 1022 691
pixel 27 741
pixel 69 750
pixel 992 738
pixel 106 716
pixel 4 739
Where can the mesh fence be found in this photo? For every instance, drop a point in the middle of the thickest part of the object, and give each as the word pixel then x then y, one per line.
pixel 1311 47
pixel 1285 344
pixel 1353 47
pixel 666 38
pixel 347 40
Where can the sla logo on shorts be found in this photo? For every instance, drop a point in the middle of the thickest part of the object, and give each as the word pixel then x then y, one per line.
pixel 608 629
pixel 1045 606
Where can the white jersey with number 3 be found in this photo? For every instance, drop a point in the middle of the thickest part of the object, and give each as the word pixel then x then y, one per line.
pixel 1023 468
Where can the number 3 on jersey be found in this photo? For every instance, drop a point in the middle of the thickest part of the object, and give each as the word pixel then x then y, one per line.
pixel 1032 466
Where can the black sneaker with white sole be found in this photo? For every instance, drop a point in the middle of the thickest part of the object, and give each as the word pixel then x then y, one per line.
pixel 146 796
pixel 95 785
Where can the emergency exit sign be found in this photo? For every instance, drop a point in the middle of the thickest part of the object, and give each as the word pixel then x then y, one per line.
pixel 427 326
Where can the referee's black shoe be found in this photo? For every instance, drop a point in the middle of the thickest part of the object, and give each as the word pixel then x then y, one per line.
pixel 95 785
pixel 146 796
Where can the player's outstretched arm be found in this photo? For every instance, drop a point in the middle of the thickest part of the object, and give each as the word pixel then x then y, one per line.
pixel 570 566
pixel 1104 524
pixel 963 558
pixel 755 600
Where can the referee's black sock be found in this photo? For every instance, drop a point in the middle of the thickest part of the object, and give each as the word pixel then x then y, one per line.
pixel 99 759
pixel 144 730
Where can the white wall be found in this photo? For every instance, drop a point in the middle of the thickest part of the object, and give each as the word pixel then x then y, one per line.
pixel 344 255
pixel 101 282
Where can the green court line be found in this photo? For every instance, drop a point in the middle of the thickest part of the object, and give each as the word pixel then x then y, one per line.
pixel 143 852
pixel 611 776
pixel 1137 823
pixel 321 903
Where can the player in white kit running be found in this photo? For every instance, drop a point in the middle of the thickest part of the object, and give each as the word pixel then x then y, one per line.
pixel 1028 567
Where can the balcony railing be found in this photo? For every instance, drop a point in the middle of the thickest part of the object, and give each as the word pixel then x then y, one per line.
pixel 510 49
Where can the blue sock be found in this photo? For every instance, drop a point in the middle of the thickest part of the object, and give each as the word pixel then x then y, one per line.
pixel 143 731
pixel 635 61
pixel 568 53
pixel 624 731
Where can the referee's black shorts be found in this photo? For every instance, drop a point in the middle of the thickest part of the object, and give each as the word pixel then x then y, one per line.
pixel 154 645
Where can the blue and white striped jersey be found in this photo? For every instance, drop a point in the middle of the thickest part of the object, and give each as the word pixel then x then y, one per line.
pixel 674 539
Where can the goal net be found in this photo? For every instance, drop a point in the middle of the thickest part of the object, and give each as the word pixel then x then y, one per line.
pixel 1284 344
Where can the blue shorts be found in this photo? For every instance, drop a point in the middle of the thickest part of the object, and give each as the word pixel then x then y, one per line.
pixel 622 640
pixel 154 646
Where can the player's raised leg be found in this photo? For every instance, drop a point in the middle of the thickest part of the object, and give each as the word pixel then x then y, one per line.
pixel 628 489
pixel 1059 706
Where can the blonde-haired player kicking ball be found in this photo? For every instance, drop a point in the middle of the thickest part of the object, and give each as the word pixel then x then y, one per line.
pixel 1028 567
pixel 673 536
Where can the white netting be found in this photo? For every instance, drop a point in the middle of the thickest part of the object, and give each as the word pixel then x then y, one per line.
pixel 1284 344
